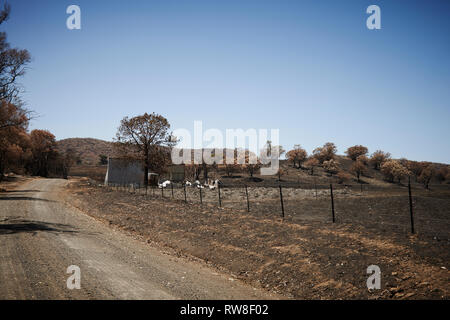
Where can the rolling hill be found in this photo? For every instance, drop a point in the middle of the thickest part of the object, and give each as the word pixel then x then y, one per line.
pixel 88 149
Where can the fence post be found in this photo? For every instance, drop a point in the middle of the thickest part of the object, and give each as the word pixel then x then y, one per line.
pixel 332 201
pixel 146 189
pixel 171 187
pixel 201 200
pixel 248 202
pixel 410 205
pixel 220 200
pixel 281 200
pixel 315 186
pixel 162 191
pixel 185 199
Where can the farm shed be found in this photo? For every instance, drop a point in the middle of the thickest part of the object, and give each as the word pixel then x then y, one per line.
pixel 176 172
pixel 124 171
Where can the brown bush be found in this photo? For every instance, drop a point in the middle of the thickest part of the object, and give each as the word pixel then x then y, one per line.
pixel 393 170
pixel 358 168
pixel 297 155
pixel 378 157
pixel 356 151
pixel 311 163
pixel 325 153
pixel 331 166
pixel 426 175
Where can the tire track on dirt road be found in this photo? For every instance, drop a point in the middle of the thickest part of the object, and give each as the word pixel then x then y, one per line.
pixel 40 237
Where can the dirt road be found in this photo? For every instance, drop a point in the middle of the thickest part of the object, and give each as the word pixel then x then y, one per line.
pixel 40 237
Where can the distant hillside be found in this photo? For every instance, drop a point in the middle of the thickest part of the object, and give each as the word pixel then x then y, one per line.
pixel 88 149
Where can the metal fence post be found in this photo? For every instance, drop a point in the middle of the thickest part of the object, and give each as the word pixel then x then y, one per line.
pixel 282 205
pixel 332 201
pixel 410 205
pixel 220 200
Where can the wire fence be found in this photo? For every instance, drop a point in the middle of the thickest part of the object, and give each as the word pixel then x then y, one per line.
pixel 371 206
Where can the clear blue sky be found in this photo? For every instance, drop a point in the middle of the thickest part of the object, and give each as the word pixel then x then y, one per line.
pixel 310 68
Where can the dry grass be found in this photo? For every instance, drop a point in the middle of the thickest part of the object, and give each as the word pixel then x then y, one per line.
pixel 96 173
pixel 305 256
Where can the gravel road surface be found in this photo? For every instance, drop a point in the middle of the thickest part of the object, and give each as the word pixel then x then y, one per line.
pixel 40 237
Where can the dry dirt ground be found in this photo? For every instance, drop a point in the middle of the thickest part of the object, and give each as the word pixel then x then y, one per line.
pixel 304 256
pixel 41 236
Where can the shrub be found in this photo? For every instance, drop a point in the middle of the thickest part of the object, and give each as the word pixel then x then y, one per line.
pixel 297 155
pixel 325 153
pixel 358 168
pixel 426 175
pixel 378 157
pixel 393 170
pixel 356 151
pixel 311 163
pixel 331 166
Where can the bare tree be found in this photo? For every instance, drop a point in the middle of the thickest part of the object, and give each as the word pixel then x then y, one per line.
pixel 231 165
pixel 146 138
pixel 378 157
pixel 43 146
pixel 426 175
pixel 311 163
pixel 297 155
pixel 358 168
pixel 249 161
pixel 326 152
pixel 12 63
